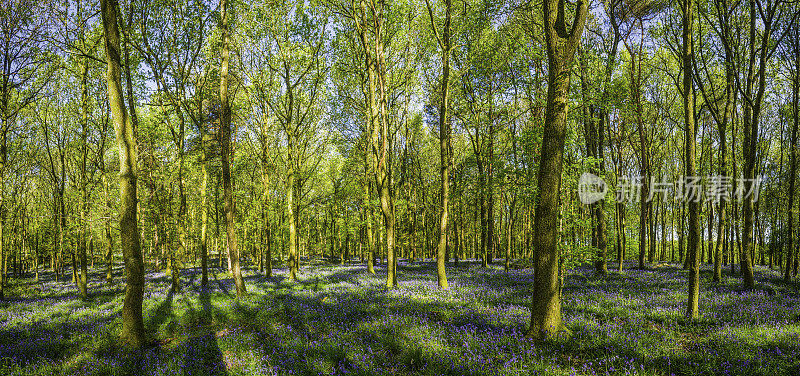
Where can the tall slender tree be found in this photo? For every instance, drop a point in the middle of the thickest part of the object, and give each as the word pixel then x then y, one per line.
pixel 227 152
pixel 690 132
pixel 132 322
pixel 794 69
pixel 445 160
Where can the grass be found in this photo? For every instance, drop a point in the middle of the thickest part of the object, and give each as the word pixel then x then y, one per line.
pixel 341 320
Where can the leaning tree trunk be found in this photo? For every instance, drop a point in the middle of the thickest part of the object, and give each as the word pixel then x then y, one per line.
pixel 561 46
pixel 132 322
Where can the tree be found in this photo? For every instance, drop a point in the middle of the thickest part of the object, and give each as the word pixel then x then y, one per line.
pixel 690 129
pixel 483 64
pixel 764 21
pixel 287 79
pixel 227 152
pixel 180 39
pixel 561 41
pixel 24 70
pixel 370 20
pixel 794 52
pixel 446 160
pixel 132 322
pixel 721 112
pixel 596 120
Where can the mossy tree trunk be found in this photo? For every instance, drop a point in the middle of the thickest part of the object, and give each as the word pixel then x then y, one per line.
pixel 132 322
pixel 690 133
pixel 561 45
pixel 370 24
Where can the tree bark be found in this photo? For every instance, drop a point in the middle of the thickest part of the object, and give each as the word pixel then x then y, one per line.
pixel 752 115
pixel 594 148
pixel 107 231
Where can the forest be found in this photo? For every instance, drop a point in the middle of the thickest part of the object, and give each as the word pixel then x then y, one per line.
pixel 412 187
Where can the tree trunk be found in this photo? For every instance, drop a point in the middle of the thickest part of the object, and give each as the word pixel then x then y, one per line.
pixel 227 155
pixel 484 221
pixel 791 211
pixel 107 231
pixel 723 171
pixel 204 218
pixel 692 309
pixel 561 46
pixel 382 156
pixel 365 198
pixel 265 254
pixel 84 183
pixel 444 140
pixel 291 216
pixel 752 114
pixel 620 235
pixel 132 322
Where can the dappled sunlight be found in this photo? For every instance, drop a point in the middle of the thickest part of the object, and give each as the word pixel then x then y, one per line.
pixel 342 319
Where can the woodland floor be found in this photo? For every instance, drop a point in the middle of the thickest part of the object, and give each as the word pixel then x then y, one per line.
pixel 340 320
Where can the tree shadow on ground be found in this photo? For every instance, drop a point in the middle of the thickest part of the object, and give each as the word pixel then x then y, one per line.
pixel 201 352
pixel 51 339
pixel 308 335
pixel 163 313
